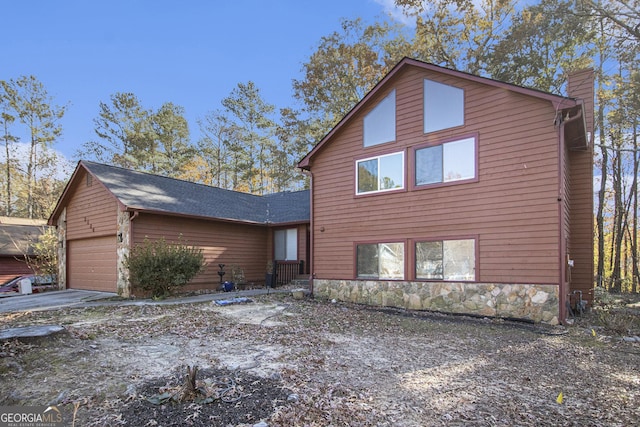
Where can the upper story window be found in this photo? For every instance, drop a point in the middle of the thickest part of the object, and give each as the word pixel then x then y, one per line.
pixel 443 106
pixel 447 162
pixel 381 173
pixel 380 123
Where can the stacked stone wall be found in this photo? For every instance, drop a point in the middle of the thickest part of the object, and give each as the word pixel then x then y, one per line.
pixel 122 249
pixel 62 249
pixel 538 303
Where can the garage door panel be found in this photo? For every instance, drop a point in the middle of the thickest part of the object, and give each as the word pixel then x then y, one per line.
pixel 92 264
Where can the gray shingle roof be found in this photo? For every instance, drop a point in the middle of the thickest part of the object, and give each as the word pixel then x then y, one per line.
pixel 144 191
pixel 22 235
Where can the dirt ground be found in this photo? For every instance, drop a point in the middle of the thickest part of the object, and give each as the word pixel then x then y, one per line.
pixel 277 361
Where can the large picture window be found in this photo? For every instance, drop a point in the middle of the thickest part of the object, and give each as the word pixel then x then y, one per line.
pixel 380 123
pixel 443 106
pixel 451 161
pixel 382 173
pixel 380 261
pixel 446 260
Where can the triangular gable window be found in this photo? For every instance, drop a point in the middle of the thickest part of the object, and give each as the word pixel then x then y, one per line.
pixel 443 106
pixel 380 123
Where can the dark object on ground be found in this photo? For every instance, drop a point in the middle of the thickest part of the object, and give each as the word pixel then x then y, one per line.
pixel 256 400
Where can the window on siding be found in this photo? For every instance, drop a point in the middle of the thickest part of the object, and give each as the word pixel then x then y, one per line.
pixel 382 173
pixel 451 161
pixel 286 244
pixel 446 260
pixel 380 261
pixel 380 123
pixel 443 106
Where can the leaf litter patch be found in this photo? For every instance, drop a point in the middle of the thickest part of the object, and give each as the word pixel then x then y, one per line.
pixel 204 398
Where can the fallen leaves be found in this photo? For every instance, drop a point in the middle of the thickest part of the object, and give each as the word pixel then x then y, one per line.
pixel 345 364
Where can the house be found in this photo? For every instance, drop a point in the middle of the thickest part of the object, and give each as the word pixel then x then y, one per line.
pixel 17 236
pixel 450 192
pixel 104 211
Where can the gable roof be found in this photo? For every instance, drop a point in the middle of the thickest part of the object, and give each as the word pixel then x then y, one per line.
pixel 558 102
pixel 141 191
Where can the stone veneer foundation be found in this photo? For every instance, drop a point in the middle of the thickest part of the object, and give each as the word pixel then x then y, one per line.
pixel 538 303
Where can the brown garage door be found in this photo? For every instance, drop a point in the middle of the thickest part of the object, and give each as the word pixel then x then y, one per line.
pixel 91 264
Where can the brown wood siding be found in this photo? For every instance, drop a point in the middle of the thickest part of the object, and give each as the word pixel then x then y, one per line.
pixel 11 267
pixel 581 177
pixel 222 242
pixel 303 255
pixel 91 235
pixel 92 210
pixel 513 208
pixel 582 222
pixel 91 264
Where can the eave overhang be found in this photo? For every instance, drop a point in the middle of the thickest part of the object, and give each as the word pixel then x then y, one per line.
pixel 574 124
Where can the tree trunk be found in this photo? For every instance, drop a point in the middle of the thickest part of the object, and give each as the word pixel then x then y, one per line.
pixel 603 178
pixel 634 236
pixel 618 228
pixel 7 138
pixel 189 390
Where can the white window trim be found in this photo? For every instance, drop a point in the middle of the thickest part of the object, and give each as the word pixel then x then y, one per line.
pixel 386 190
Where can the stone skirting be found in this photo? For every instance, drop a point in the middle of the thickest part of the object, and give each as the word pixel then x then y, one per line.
pixel 123 287
pixel 538 303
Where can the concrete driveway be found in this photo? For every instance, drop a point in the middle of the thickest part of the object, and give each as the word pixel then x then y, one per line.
pixel 76 297
pixel 51 300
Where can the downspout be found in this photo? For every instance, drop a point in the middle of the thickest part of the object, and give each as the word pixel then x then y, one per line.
pixel 131 218
pixel 311 232
pixel 562 244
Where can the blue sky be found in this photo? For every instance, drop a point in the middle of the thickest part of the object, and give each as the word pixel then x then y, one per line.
pixel 190 52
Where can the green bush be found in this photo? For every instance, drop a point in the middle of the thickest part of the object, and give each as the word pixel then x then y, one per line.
pixel 160 268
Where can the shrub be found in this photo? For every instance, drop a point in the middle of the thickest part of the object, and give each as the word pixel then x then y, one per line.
pixel 160 268
pixel 40 252
pixel 619 321
pixel 45 261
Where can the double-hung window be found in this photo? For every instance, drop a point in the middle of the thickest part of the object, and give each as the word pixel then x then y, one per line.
pixel 381 173
pixel 380 260
pixel 446 260
pixel 447 162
